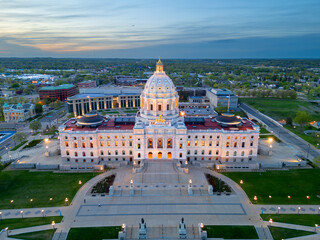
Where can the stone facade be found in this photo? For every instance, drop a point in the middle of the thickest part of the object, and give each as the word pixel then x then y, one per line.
pixel 158 131
pixel 18 112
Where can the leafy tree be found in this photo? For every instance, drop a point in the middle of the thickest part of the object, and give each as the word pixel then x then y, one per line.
pixel 15 85
pixel 302 118
pixel 35 125
pixel 220 109
pixel 19 137
pixel 38 108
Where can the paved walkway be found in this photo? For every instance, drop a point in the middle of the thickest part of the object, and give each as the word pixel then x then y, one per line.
pixel 161 210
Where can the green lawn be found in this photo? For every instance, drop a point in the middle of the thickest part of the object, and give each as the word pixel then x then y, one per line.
pixel 311 139
pixel 231 232
pixel 21 186
pixel 94 233
pixel 302 219
pixel 130 111
pixel 41 235
pixel 279 185
pixel 282 108
pixel 279 233
pixel 19 145
pixel 263 130
pixel 32 143
pixel 15 223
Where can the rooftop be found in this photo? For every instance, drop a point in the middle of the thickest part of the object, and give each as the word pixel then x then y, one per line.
pixel 60 87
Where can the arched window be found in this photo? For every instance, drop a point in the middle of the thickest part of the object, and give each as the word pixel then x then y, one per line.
pixel 243 144
pixel 67 144
pixel 169 155
pixel 139 155
pixel 151 107
pixel 250 153
pixel 75 145
pixel 160 143
pixel 83 154
pixel 83 145
pixel 123 152
pixel 75 154
pixel 235 144
pixel 159 107
pixel 91 144
pixel 67 153
pixel 169 143
pixel 242 153
pixel 180 155
pixel 228 144
pixel 101 153
pixel 150 143
pixel 91 154
pixel 227 153
pixel 235 153
pixel 202 152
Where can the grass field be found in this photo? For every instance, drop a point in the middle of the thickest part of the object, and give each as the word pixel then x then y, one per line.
pixel 271 136
pixel 32 143
pixel 279 185
pixel 282 108
pixel 21 186
pixel 41 235
pixel 15 223
pixel 284 233
pixel 94 233
pixel 311 139
pixel 302 219
pixel 231 232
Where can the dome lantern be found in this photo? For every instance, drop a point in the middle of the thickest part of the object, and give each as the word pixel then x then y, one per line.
pixel 159 67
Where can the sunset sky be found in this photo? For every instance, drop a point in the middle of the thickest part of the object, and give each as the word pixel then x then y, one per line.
pixel 172 29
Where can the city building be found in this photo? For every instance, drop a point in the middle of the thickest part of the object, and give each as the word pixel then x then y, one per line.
pixel 159 131
pixel 222 97
pixel 61 92
pixel 124 80
pixel 87 84
pixel 18 112
pixel 90 99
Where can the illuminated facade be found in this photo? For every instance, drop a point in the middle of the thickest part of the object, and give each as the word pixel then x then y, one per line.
pixel 159 131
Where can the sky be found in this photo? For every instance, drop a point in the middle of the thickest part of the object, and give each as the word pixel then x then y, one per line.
pixel 170 29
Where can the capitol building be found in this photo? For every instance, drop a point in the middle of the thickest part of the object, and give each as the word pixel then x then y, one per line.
pixel 159 131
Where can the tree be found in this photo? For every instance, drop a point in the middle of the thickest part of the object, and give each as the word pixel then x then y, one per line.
pixel 35 125
pixel 15 85
pixel 19 137
pixel 302 118
pixel 38 108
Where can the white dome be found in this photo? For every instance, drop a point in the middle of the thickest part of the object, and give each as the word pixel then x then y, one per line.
pixel 159 82
pixel 159 96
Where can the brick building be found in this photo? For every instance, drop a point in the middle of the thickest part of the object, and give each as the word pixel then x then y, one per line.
pixel 61 92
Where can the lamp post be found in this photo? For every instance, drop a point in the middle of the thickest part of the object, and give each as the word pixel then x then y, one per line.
pixel 241 181
pixel 66 200
pixel 279 209
pixel 42 213
pixel 299 208
pixel 270 221
pixel 31 201
pixel 21 212
pixel 315 227
pixel 12 203
pixel 53 224
pixel 50 200
pixel 255 199
pixel 0 216
pixel 7 230
pixel 270 140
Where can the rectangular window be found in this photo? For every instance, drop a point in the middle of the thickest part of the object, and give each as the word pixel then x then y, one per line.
pixel 195 143
pixel 202 143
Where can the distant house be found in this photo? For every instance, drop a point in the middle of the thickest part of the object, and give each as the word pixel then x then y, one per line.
pixel 18 112
pixel 223 97
pixel 315 124
pixel 87 84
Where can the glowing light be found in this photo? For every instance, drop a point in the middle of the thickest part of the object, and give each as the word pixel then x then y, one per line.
pixel 241 181
pixel 270 196
pixel 255 198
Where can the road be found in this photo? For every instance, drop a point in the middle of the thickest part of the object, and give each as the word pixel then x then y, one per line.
pixel 309 151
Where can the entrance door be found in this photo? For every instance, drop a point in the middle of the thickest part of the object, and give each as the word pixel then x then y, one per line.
pixel 150 155
pixel 159 155
pixel 169 155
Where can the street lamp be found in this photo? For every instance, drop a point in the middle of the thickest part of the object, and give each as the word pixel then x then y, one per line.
pixel 21 212
pixel 299 208
pixel 66 200
pixel 308 197
pixel 315 227
pixel 7 230
pixel 270 196
pixel 12 203
pixel 42 213
pixel 289 197
pixel 80 182
pixel 31 201
pixel 241 181
pixel 52 224
pixel 0 216
pixel 270 221
pixel 279 209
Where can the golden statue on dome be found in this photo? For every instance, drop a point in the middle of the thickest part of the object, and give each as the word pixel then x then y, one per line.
pixel 160 119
